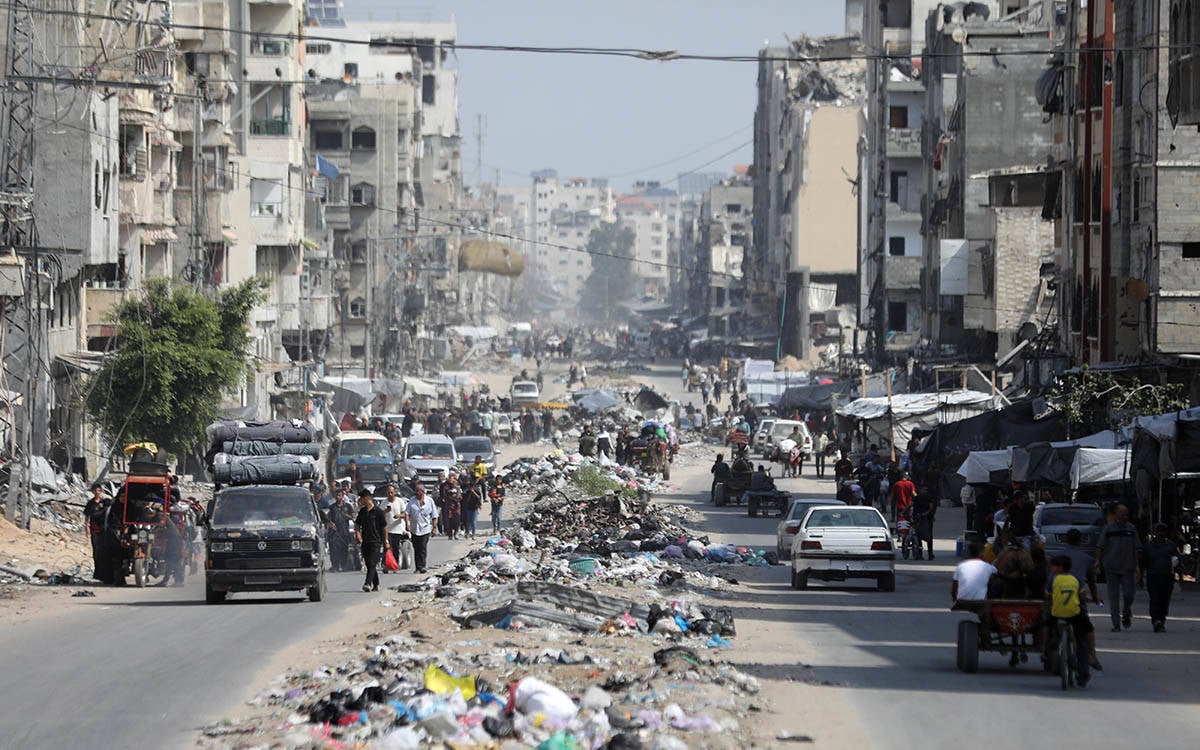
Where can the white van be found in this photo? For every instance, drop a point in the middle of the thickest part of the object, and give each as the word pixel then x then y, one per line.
pixel 781 430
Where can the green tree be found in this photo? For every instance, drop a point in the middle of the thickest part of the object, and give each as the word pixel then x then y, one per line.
pixel 612 278
pixel 176 352
pixel 1094 401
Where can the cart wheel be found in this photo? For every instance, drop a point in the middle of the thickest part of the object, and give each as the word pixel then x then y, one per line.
pixel 139 572
pixel 666 471
pixel 317 593
pixel 752 508
pixel 968 646
pixel 719 498
pixel 887 582
pixel 212 596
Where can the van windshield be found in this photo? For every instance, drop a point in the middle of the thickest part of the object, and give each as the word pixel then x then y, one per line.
pixel 429 450
pixel 365 448
pixel 262 506
pixel 525 388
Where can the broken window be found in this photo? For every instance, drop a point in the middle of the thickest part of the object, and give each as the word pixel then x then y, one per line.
pixel 897 316
pixel 896 246
pixel 898 116
pixel 899 186
pixel 134 159
pixel 428 89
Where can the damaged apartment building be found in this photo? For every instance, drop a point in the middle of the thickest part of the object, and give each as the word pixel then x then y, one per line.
pixel 1127 138
pixel 953 244
pixel 803 260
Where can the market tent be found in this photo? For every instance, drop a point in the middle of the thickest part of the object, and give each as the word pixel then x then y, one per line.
pixel 815 397
pixel 914 411
pixel 1101 465
pixel 980 465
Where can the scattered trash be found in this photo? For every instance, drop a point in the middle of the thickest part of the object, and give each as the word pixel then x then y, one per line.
pixel 84 593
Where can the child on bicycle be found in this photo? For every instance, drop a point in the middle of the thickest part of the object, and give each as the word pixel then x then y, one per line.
pixel 1067 600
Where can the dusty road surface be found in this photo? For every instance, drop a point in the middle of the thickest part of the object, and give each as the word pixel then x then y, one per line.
pixel 843 664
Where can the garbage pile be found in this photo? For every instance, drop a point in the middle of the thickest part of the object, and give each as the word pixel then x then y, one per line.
pixel 267 452
pixel 402 691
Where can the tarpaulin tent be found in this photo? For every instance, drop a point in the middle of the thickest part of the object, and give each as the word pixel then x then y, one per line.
pixel 647 400
pixel 983 467
pixel 914 411
pixel 472 332
pixel 815 397
pixel 417 387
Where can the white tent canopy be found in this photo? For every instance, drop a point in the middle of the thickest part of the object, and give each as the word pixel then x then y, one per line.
pixel 473 332
pixel 1088 466
pixel 912 411
pixel 978 467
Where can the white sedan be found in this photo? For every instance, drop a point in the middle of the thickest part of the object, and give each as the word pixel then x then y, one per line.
pixel 785 534
pixel 837 542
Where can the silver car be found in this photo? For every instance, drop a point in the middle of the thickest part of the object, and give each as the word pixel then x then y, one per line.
pixel 785 534
pixel 1052 521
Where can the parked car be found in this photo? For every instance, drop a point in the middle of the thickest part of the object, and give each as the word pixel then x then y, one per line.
pixel 468 447
pixel 790 523
pixel 781 429
pixel 525 392
pixel 759 440
pixel 837 542
pixel 1052 521
pixel 427 457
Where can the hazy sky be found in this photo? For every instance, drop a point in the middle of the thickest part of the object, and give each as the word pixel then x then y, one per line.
pixel 602 116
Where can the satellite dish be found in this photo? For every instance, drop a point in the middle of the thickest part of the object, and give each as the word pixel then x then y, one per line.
pixel 959 35
pixel 1028 331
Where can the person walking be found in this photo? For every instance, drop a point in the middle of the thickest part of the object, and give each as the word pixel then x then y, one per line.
pixel 397 530
pixel 1118 553
pixel 496 500
pixel 924 512
pixel 421 514
pixel 370 530
pixel 472 501
pixel 820 443
pixel 1159 556
pixel 451 506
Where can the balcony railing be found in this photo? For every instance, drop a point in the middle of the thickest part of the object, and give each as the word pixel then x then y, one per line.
pixel 270 48
pixel 273 126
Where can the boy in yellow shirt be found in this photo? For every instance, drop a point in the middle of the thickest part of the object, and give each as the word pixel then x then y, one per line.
pixel 1067 600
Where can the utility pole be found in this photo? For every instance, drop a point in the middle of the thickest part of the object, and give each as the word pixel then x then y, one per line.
pixel 17 230
pixel 878 70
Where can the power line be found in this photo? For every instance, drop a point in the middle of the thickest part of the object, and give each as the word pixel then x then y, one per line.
pixel 652 55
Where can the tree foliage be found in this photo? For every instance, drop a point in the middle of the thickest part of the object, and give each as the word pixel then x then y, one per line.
pixel 1094 401
pixel 176 352
pixel 612 278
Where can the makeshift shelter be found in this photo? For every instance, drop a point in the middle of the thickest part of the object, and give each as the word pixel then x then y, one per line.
pixel 1165 447
pixel 595 401
pixel 897 417
pixel 1061 464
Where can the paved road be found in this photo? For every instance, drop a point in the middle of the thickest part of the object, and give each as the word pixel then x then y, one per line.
pixel 894 654
pixel 143 668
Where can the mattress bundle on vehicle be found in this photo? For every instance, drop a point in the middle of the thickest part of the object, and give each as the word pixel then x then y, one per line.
pixel 277 452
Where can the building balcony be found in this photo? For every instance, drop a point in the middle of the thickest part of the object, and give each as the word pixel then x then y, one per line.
pixel 902 272
pixel 908 207
pixel 271 126
pixel 904 142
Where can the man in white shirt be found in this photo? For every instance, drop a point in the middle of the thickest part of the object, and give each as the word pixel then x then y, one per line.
pixel 396 508
pixel 421 514
pixel 971 577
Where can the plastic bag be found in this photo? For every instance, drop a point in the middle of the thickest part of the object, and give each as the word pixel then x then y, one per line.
pixel 533 697
pixel 389 561
pixel 438 680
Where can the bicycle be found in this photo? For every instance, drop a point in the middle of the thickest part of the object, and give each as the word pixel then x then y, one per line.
pixel 909 544
pixel 1068 655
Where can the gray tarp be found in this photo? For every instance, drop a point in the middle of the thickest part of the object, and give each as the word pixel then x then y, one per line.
pixel 597 401
pixel 263 469
pixel 272 432
pixel 573 606
pixel 266 448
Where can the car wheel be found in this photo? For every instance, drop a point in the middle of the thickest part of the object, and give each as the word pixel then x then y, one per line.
pixel 887 582
pixel 317 593
pixel 800 580
pixel 212 596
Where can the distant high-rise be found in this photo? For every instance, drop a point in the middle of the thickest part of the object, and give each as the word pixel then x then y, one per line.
pixel 327 12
